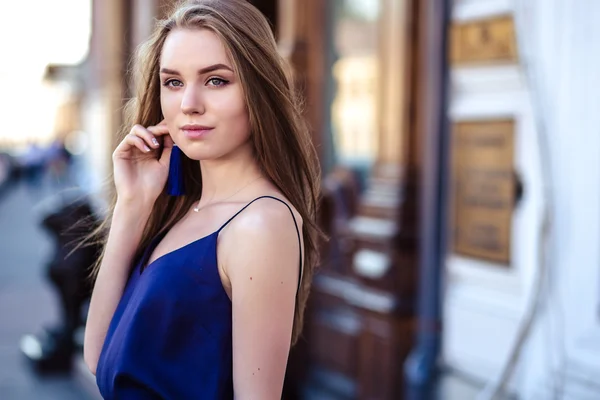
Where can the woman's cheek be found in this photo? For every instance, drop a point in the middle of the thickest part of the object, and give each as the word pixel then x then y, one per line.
pixel 169 107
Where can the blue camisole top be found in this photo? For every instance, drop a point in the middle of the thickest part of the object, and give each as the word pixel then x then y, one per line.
pixel 171 334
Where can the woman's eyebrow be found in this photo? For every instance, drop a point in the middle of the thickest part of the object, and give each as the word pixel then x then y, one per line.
pixel 203 71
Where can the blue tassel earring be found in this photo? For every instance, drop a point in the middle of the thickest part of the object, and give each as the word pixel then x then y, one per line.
pixel 175 179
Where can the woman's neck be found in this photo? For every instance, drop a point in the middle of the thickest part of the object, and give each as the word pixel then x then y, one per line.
pixel 223 178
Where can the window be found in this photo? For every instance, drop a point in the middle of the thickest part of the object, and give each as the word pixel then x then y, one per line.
pixel 353 85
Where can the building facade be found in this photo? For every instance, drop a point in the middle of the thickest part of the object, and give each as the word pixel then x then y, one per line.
pixel 526 282
pixel 521 204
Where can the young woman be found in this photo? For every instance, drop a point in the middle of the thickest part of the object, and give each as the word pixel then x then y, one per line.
pixel 200 292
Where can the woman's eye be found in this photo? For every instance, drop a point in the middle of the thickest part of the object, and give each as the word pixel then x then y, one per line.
pixel 217 82
pixel 173 83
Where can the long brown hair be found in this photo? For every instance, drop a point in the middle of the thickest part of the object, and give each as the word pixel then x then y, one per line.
pixel 279 133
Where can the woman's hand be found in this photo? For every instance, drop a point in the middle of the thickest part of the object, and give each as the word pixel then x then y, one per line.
pixel 140 170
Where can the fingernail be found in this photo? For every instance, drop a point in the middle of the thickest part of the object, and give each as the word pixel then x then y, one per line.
pixel 154 141
pixel 146 148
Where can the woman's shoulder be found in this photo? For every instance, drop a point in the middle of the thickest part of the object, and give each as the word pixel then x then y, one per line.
pixel 267 214
pixel 262 239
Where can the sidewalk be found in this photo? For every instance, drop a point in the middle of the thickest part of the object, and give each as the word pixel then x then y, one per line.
pixel 27 302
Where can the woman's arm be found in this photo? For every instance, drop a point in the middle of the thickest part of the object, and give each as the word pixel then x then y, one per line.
pixel 262 264
pixel 125 234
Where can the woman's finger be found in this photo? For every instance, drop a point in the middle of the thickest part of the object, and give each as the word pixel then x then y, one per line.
pixel 146 135
pixel 136 141
pixel 159 130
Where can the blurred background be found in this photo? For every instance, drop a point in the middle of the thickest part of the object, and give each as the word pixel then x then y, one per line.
pixel 460 148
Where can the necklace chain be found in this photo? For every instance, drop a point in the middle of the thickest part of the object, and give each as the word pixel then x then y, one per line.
pixel 197 208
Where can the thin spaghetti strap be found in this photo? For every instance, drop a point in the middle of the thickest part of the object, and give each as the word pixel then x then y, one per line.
pixel 300 272
pixel 237 213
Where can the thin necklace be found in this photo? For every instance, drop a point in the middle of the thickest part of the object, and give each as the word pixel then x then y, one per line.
pixel 197 208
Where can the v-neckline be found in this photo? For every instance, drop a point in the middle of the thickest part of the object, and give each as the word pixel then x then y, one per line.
pixel 153 245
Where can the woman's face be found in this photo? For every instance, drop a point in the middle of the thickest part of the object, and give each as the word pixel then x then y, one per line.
pixel 201 97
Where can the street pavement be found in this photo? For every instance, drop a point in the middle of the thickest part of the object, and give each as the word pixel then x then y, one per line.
pixel 27 301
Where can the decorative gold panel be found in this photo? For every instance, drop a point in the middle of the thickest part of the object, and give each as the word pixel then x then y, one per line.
pixel 483 189
pixel 488 40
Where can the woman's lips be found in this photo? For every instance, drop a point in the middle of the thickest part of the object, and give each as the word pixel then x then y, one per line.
pixel 196 133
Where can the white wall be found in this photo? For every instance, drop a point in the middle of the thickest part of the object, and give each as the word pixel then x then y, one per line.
pixel 562 43
pixel 484 303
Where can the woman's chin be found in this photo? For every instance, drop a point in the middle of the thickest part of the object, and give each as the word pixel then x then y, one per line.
pixel 195 155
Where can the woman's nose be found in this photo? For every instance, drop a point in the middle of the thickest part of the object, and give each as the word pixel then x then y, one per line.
pixel 192 103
